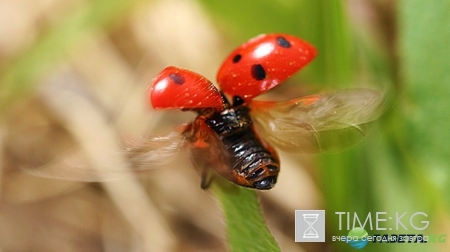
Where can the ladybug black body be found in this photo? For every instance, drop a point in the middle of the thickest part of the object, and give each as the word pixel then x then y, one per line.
pixel 252 163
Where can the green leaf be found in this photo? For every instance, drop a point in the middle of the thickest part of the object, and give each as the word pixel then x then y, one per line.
pixel 253 17
pixel 425 54
pixel 246 229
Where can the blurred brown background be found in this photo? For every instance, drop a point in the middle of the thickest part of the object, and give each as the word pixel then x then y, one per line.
pixel 73 79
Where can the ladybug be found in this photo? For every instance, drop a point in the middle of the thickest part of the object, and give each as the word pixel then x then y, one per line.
pixel 233 134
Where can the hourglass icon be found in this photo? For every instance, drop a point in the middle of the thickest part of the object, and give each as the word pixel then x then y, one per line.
pixel 310 232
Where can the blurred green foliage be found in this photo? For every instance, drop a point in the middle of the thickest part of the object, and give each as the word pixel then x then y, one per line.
pixel 246 229
pixel 403 166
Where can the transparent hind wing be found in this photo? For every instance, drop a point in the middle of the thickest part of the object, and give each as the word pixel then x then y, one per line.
pixel 156 152
pixel 327 122
pixel 72 166
pixel 153 153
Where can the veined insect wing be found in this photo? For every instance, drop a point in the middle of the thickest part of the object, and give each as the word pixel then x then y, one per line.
pixel 327 122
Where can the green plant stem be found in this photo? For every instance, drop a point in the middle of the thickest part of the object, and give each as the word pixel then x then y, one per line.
pixel 246 228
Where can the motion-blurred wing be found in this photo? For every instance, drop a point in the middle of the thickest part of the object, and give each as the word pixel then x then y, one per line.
pixel 153 153
pixel 326 122
pixel 156 152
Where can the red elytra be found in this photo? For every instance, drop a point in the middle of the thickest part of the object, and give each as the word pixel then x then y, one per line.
pixel 181 88
pixel 262 63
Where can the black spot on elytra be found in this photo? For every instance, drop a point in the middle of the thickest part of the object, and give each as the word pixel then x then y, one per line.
pixel 281 41
pixel 258 72
pixel 237 58
pixel 177 78
pixel 237 100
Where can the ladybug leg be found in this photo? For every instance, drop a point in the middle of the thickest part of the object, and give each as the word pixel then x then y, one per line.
pixel 206 178
pixel 194 133
pixel 203 144
pixel 200 134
